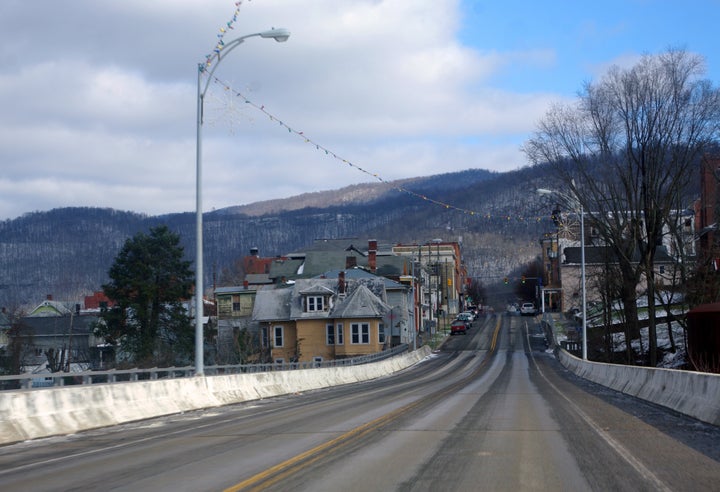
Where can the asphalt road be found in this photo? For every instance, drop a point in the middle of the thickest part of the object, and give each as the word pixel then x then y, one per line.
pixel 492 410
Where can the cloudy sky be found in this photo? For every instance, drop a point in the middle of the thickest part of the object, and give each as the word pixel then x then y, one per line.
pixel 98 97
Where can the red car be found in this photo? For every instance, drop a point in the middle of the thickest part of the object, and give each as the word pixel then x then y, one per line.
pixel 458 327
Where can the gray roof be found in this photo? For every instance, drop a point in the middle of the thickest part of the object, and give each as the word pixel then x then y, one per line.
pixel 360 303
pixel 258 278
pixel 331 254
pixel 285 268
pixel 316 289
pixel 365 297
pixel 315 286
pixel 393 265
pixel 360 273
pixel 272 304
pixel 231 289
pixel 318 262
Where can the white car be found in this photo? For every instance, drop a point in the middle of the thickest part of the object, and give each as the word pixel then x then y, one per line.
pixel 467 314
pixel 527 309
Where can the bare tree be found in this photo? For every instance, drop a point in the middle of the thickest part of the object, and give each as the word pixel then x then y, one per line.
pixel 19 350
pixel 627 149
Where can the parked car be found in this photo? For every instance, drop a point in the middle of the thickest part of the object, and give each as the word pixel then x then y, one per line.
pixel 527 309
pixel 458 327
pixel 467 317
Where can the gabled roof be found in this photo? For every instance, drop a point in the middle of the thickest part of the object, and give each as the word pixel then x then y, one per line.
pixel 51 308
pixel 317 289
pixel 360 303
pixel 314 286
pixel 364 298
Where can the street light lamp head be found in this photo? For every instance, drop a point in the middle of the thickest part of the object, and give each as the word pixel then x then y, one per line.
pixel 280 35
pixel 576 200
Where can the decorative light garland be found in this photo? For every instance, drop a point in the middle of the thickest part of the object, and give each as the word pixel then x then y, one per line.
pixel 379 178
pixel 229 25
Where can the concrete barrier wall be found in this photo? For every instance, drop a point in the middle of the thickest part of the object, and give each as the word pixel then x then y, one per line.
pixel 696 394
pixel 31 414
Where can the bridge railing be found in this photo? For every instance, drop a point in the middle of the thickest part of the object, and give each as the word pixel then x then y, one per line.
pixel 55 379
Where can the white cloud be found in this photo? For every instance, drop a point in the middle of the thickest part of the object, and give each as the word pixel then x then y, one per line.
pixel 99 110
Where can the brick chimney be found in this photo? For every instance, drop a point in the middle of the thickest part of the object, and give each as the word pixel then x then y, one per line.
pixel 341 283
pixel 372 255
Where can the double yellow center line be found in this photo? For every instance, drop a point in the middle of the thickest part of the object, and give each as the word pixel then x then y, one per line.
pixel 278 472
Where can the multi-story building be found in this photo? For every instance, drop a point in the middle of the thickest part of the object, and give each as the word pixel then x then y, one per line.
pixel 420 283
pixel 563 263
pixel 323 319
pixel 443 293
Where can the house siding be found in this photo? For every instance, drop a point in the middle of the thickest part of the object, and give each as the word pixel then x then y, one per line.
pixel 311 337
pixel 289 349
pixel 305 336
pixel 349 349
pixel 235 305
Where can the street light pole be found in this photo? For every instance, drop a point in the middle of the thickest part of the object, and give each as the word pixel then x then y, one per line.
pixel 582 274
pixel 576 201
pixel 279 35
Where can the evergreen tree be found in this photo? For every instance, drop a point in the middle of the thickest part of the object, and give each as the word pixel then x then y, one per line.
pixel 148 282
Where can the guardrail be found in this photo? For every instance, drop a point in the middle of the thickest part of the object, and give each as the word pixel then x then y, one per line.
pixel 688 392
pixel 55 379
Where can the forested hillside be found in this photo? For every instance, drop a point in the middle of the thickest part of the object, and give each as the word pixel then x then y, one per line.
pixel 67 252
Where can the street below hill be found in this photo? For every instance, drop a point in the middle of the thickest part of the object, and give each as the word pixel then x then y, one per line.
pixel 489 410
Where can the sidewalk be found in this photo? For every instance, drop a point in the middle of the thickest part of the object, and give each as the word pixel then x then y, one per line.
pixel 559 327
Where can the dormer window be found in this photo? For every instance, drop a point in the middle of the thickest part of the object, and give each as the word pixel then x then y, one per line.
pixel 316 303
pixel 317 300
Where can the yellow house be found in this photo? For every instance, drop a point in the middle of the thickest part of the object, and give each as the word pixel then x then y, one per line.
pixel 322 319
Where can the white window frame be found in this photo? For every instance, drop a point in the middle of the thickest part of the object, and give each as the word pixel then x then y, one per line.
pixel 360 334
pixel 278 332
pixel 329 334
pixel 314 304
pixel 339 335
pixel 381 333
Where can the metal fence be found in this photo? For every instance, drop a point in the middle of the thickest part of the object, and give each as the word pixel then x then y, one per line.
pixel 49 380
